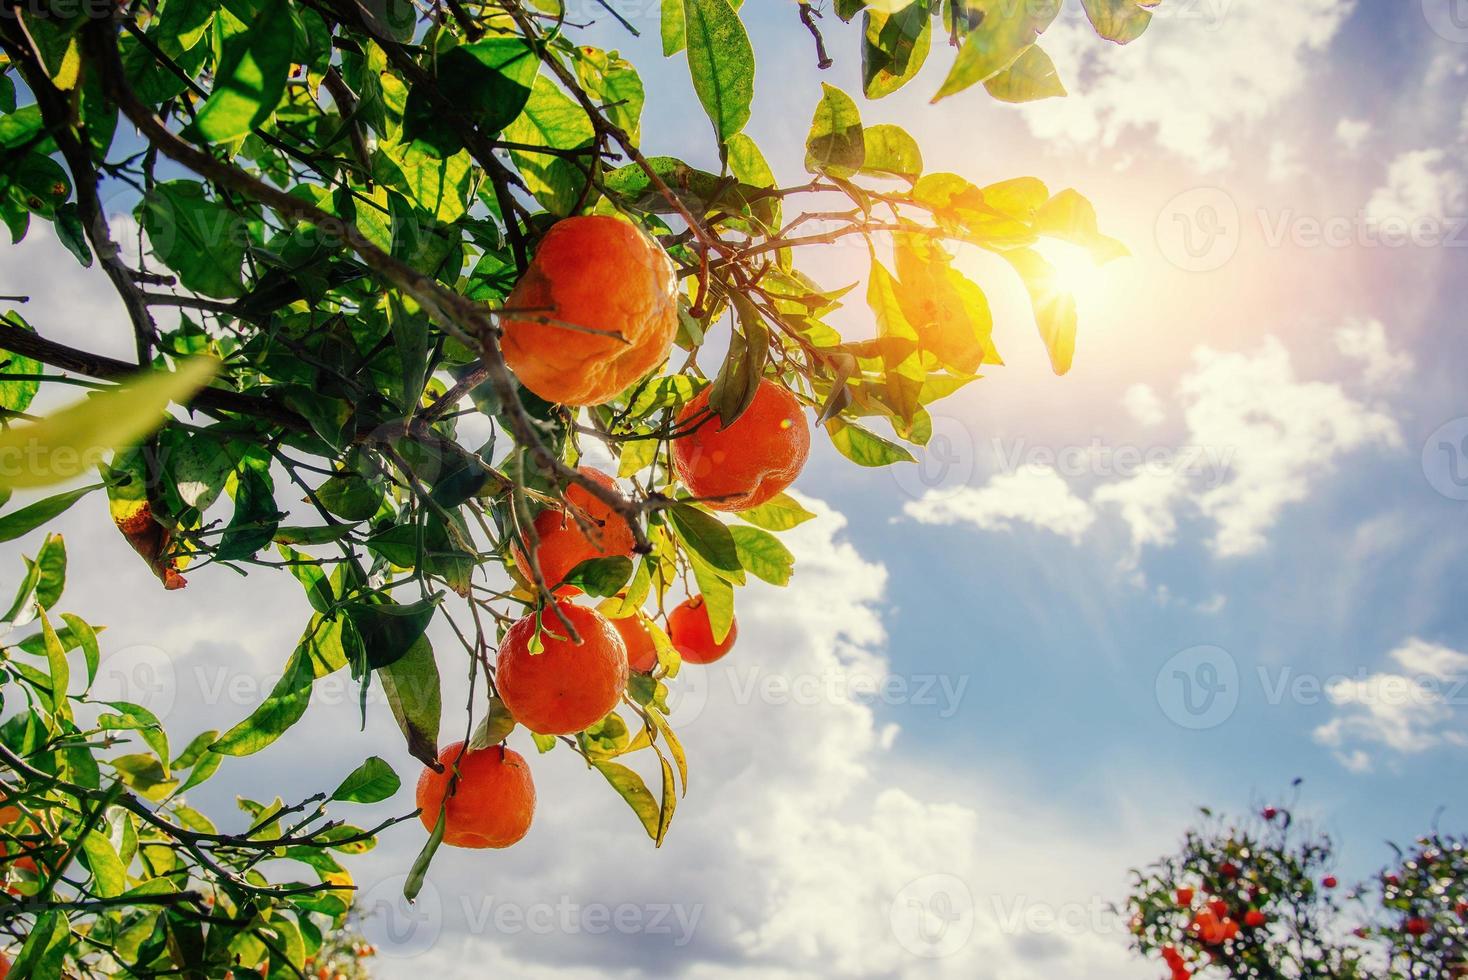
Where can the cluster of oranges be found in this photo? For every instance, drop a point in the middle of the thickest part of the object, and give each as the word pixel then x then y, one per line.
pixel 596 311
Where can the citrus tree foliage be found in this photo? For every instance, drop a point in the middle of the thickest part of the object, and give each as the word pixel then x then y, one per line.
pixel 1258 898
pixel 333 200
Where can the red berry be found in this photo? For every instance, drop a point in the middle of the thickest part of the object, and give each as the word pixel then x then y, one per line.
pixel 1270 813
pixel 1329 881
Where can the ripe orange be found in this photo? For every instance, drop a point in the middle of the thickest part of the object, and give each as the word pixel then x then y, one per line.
pixel 743 465
pixel 493 801
pixel 615 288
pixel 642 652
pixel 566 686
pixel 692 633
pixel 563 544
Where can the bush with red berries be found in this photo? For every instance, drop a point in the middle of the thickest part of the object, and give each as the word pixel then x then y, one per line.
pixel 1257 899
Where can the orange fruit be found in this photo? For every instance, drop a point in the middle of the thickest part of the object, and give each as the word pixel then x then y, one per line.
pixel 614 294
pixel 742 465
pixel 493 801
pixel 693 635
pixel 563 544
pixel 567 686
pixel 642 651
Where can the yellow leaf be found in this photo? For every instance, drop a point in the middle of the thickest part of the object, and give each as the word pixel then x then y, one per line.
pixel 74 440
pixel 1055 309
pixel 1071 218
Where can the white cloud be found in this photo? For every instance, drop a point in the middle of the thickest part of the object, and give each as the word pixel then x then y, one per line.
pixel 1421 185
pixel 1258 439
pixel 1203 71
pixel 1407 712
pixel 1035 495
pixel 1147 503
pixel 1284 162
pixel 1365 341
pixel 1352 133
pixel 1143 405
pixel 1284 434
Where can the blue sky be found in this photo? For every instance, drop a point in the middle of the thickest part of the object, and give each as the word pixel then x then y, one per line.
pixel 1293 530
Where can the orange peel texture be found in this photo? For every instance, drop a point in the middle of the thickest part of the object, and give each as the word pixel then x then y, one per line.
pixel 599 307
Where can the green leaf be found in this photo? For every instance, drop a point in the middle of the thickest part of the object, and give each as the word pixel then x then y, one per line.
pixel 255 519
pixel 419 870
pixel 1122 21
pixel 1055 309
pixel 489 81
pixel 706 536
pixel 674 33
pixel 891 152
pixel 78 633
pixel 613 82
pixel 109 877
pixel 136 718
pixel 718 597
pixel 551 119
pixel 1031 78
pixel 630 787
pixel 201 240
pixel 200 467
pixel 32 516
pixel 600 576
pixel 17 395
pixel 411 684
pixel 894 47
pixel 835 145
pixel 60 670
pixel 307 536
pixel 73 440
pixel 371 782
pixel 721 61
pixel 762 553
pixel 494 727
pixel 779 513
pixel 863 446
pixel 144 774
pixel 52 565
pixel 284 707
pixel 350 497
pixel 737 383
pixel 1003 34
pixel 389 629
pixel 251 77
pixel 45 948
